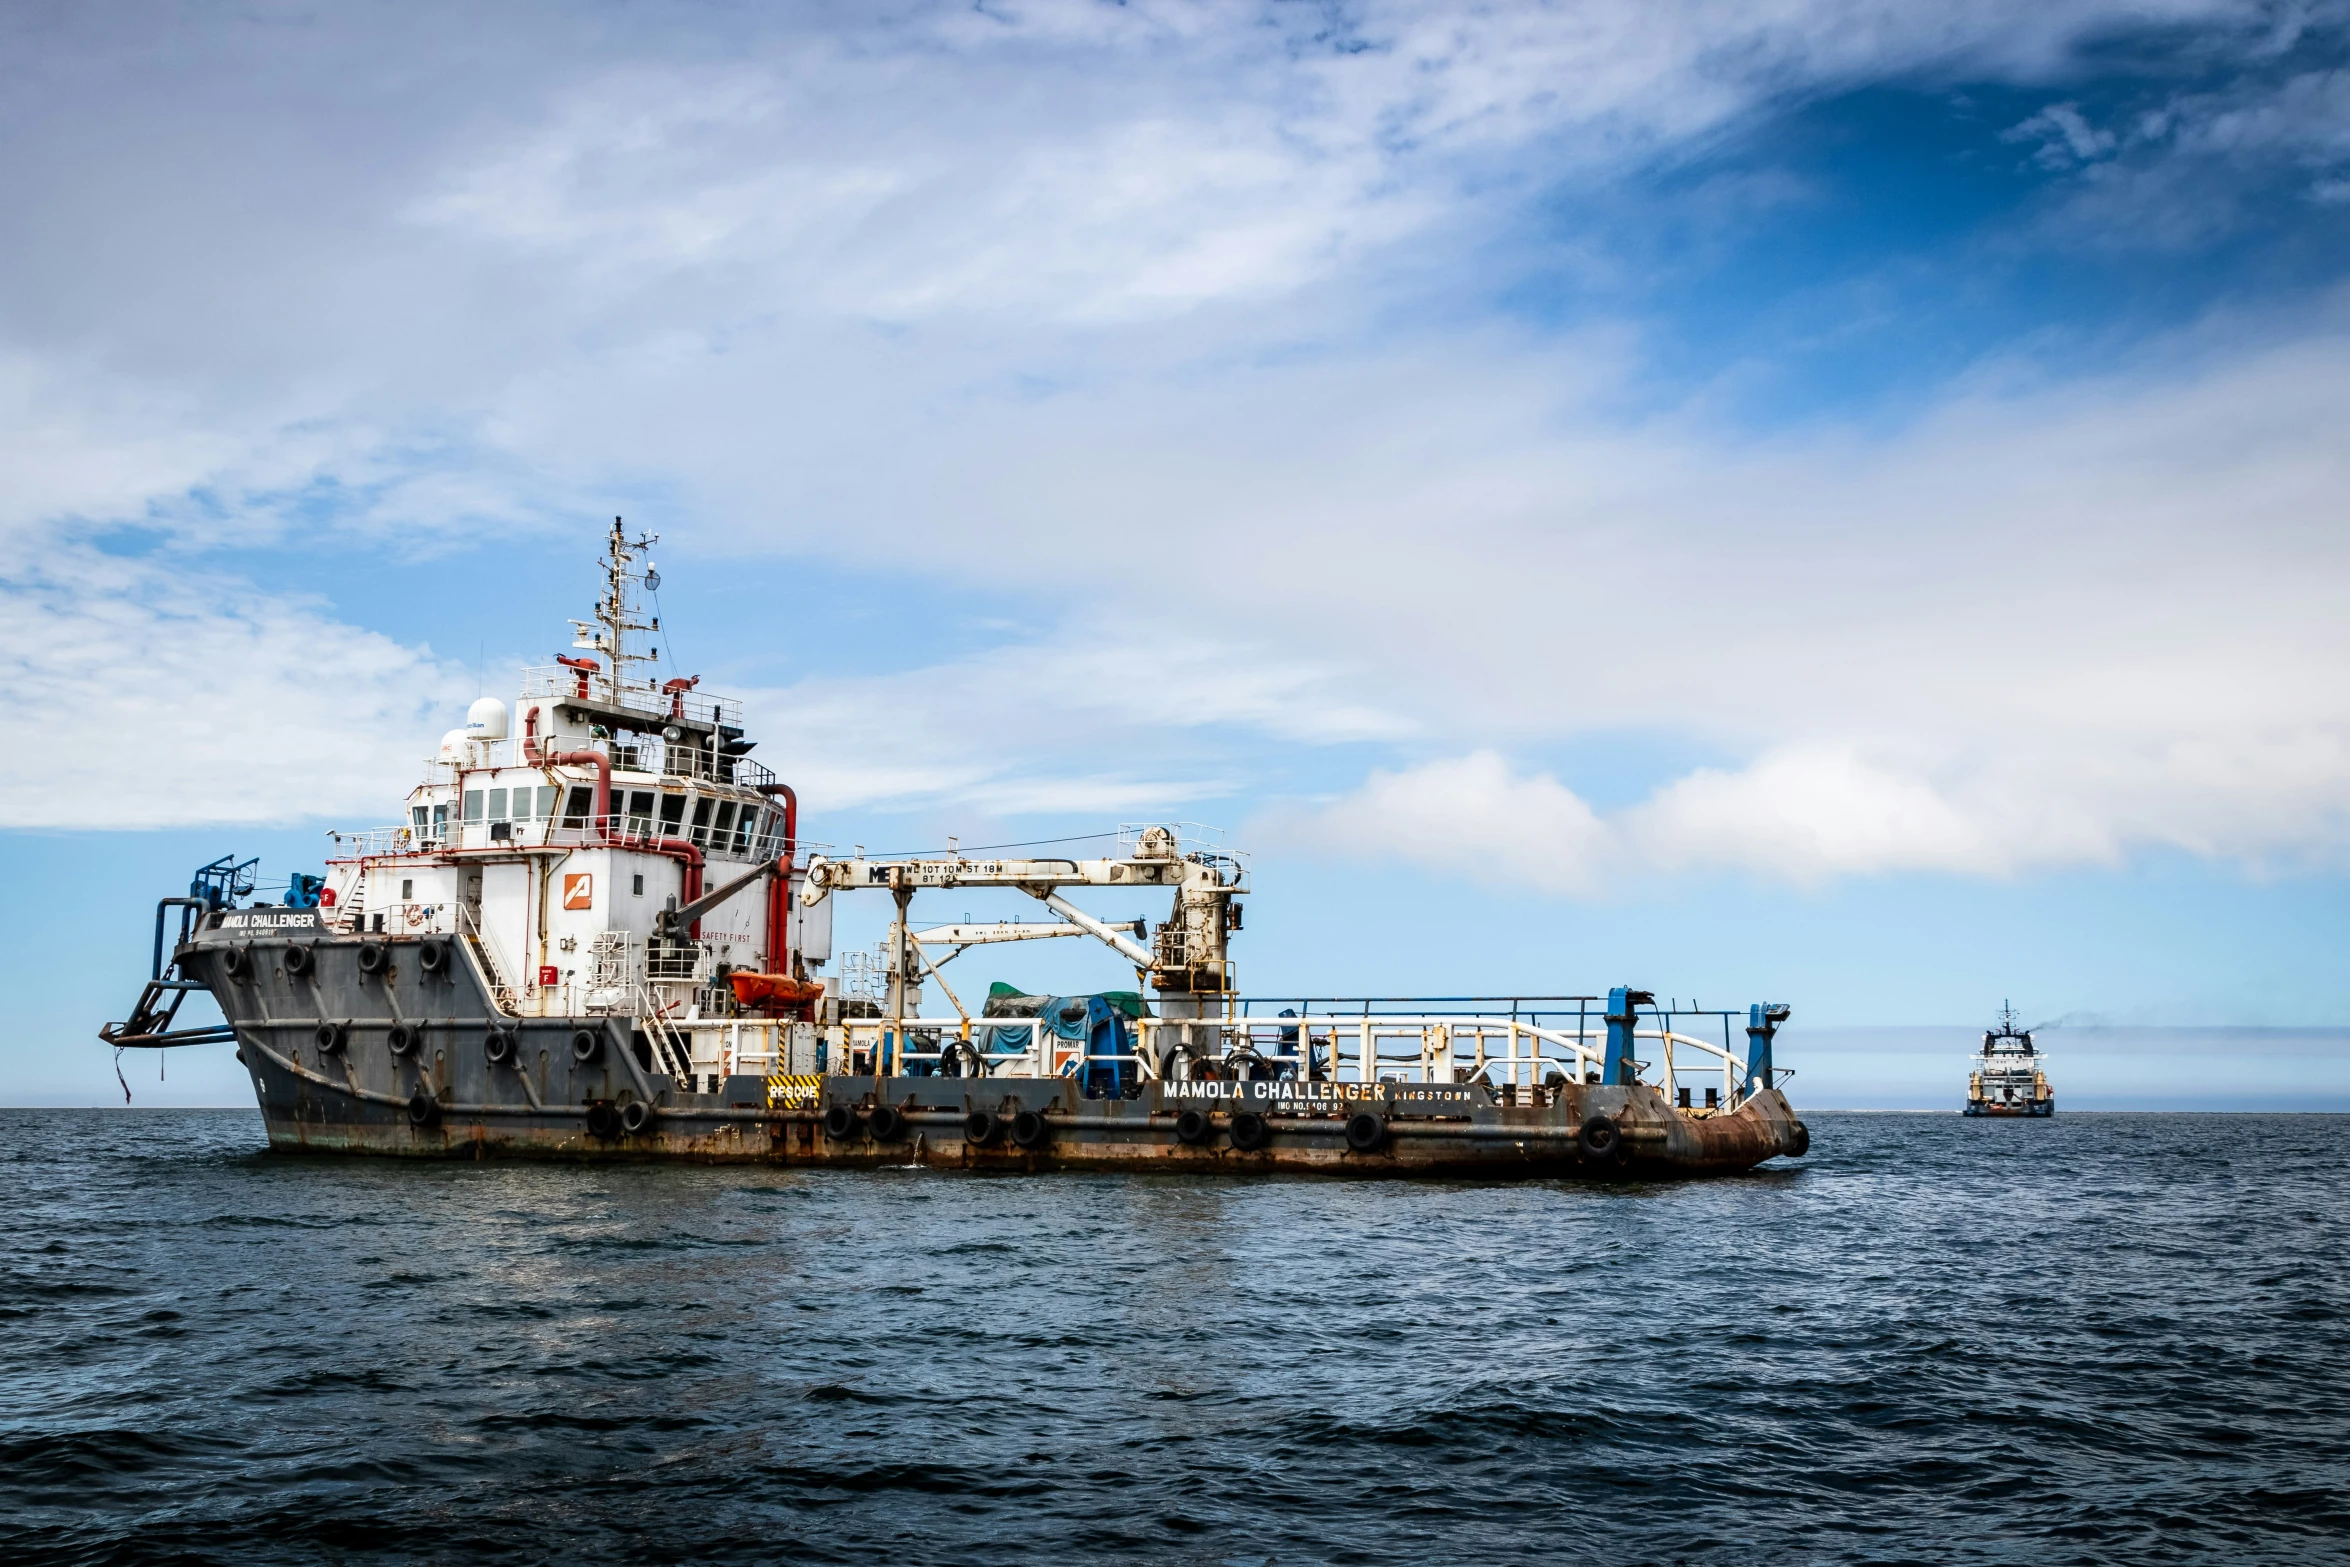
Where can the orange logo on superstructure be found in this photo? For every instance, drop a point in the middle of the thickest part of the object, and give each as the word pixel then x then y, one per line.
pixel 579 890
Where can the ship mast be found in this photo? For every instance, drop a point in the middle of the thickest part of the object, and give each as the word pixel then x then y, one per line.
pixel 616 611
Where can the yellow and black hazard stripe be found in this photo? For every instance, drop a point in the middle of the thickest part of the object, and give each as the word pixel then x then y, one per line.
pixel 793 1091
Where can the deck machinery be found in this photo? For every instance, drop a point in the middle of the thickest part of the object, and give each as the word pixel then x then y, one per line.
pixel 601 938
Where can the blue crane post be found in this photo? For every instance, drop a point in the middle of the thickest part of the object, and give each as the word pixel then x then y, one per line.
pixel 1762 1023
pixel 1622 1069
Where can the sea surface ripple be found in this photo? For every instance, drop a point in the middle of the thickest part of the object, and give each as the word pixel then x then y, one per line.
pixel 2103 1338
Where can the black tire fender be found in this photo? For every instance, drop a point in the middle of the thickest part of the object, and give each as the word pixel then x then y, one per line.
pixel 980 1128
pixel 423 1109
pixel 1601 1139
pixel 331 1037
pixel 502 1047
pixel 298 960
pixel 1802 1141
pixel 404 1038
pixel 433 957
pixel 1193 1126
pixel 586 1044
pixel 236 962
pixel 1030 1130
pixel 603 1120
pixel 373 959
pixel 840 1123
pixel 1366 1131
pixel 636 1116
pixel 1250 1131
pixel 885 1124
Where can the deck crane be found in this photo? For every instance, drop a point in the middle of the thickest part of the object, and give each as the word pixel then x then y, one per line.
pixel 1186 967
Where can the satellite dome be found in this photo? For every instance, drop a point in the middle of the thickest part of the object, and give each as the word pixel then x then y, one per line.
pixel 486 719
pixel 456 746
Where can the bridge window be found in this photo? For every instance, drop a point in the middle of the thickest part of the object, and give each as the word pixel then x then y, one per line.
pixel 672 815
pixel 578 808
pixel 473 805
pixel 640 811
pixel 702 822
pixel 497 805
pixel 546 801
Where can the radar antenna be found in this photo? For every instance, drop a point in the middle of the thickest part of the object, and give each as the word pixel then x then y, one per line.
pixel 617 611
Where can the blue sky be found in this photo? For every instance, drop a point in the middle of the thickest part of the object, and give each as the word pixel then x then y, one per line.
pixel 1841 500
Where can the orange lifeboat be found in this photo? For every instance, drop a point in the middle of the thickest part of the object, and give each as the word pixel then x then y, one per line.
pixel 773 990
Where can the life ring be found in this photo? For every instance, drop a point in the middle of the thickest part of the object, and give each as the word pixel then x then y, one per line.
pixel 372 957
pixel 980 1128
pixel 1603 1142
pixel 840 1123
pixel 415 915
pixel 423 1109
pixel 433 957
pixel 403 1038
pixel 1250 1131
pixel 635 1116
pixel 1365 1131
pixel 885 1124
pixel 297 960
pixel 586 1045
pixel 1192 1126
pixel 501 1046
pixel 603 1120
pixel 1029 1129
pixel 331 1037
pixel 236 962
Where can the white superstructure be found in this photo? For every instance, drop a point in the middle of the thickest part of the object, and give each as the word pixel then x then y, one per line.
pixel 560 832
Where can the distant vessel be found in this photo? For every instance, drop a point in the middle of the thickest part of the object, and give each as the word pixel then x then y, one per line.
pixel 2009 1076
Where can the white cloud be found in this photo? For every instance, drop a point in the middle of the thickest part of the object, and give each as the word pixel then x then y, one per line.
pixel 1109 313
pixel 1472 817
pixel 147 696
pixel 1028 728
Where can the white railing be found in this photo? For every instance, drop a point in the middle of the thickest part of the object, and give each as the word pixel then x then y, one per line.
pixel 648 755
pixel 1387 1047
pixel 502 990
pixel 413 918
pixel 643 697
pixel 669 1046
pixel 563 831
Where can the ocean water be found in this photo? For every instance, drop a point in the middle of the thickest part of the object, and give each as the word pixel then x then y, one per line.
pixel 2104 1338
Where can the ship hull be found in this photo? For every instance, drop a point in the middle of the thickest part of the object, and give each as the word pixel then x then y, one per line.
pixel 2036 1110
pixel 318 1043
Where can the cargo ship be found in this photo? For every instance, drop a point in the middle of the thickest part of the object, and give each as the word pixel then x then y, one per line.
pixel 2009 1076
pixel 595 933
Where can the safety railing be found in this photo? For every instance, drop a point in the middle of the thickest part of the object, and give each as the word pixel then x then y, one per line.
pixel 492 972
pixel 560 830
pixel 642 697
pixel 653 1015
pixel 414 917
pixel 947 1047
pixel 1360 1047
